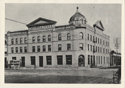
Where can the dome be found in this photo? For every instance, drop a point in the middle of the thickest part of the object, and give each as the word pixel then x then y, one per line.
pixel 77 19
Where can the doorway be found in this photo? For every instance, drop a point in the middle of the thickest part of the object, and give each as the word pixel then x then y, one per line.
pixel 40 61
pixel 22 63
pixel 81 61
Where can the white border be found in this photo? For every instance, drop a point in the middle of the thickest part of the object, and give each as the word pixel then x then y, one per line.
pixel 2 32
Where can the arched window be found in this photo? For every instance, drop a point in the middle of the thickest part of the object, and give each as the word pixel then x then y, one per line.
pixel 25 40
pixel 68 36
pixel 59 37
pixel 59 47
pixel 38 39
pixel 33 39
pixel 12 41
pixel 49 38
pixel 80 35
pixel 44 48
pixel 44 38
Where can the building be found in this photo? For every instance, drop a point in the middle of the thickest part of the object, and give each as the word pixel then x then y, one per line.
pixel 115 58
pixel 46 45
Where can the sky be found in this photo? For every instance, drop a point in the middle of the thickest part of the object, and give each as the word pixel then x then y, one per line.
pixel 109 14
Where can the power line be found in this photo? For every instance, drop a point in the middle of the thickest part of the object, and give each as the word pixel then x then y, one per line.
pixel 15 21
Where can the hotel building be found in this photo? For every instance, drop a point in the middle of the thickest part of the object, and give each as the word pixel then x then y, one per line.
pixel 46 45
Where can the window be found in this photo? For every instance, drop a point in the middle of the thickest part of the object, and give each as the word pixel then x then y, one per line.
pixel 49 38
pixel 68 59
pixel 104 60
pixel 68 36
pixel 32 60
pixel 88 36
pixel 81 46
pixel 16 49
pixel 33 39
pixel 91 47
pixel 12 41
pixel 101 59
pixel 88 47
pixel 49 47
pixel 103 42
pixel 59 60
pixel 93 38
pixel 33 48
pixel 44 48
pixel 38 48
pixel 49 60
pixel 59 47
pixel 16 40
pixel 25 49
pixel 44 38
pixel 89 59
pixel 38 39
pixel 25 40
pixel 68 46
pixel 98 49
pixel 12 50
pixel 20 49
pixel 59 37
pixel 20 40
pixel 80 35
pixel 98 40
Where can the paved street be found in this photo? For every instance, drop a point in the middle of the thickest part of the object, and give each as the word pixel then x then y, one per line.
pixel 62 75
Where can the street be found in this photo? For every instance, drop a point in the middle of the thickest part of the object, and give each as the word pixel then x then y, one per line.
pixel 63 75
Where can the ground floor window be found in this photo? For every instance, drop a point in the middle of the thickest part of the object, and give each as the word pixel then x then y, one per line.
pixel 32 60
pixel 68 59
pixel 59 60
pixel 88 59
pixel 49 60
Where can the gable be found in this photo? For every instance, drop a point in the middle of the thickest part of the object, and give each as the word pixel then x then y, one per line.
pixel 99 25
pixel 40 22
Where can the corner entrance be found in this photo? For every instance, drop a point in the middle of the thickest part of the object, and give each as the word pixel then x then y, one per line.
pixel 81 61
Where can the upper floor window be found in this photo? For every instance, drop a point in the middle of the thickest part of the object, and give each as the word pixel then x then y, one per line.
pixel 16 49
pixel 25 49
pixel 38 48
pixel 25 40
pixel 44 48
pixel 59 37
pixel 88 47
pixel 80 35
pixel 44 38
pixel 33 48
pixel 12 50
pixel 88 36
pixel 98 40
pixel 21 50
pixel 81 46
pixel 49 47
pixel 16 40
pixel 68 46
pixel 12 41
pixel 68 36
pixel 33 39
pixel 59 47
pixel 49 38
pixel 38 39
pixel 20 40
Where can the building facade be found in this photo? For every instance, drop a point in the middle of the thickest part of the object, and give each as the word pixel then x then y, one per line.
pixel 46 45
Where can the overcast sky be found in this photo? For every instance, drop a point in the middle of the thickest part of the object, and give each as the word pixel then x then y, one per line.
pixel 109 14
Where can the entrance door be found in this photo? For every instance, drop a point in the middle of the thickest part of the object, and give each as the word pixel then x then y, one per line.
pixel 23 61
pixel 81 61
pixel 92 61
pixel 40 61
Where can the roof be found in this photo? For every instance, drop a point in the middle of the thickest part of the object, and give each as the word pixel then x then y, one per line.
pixel 41 22
pixel 77 14
pixel 18 31
pixel 99 25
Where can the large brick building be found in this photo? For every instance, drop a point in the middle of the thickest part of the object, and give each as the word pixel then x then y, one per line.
pixel 46 45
